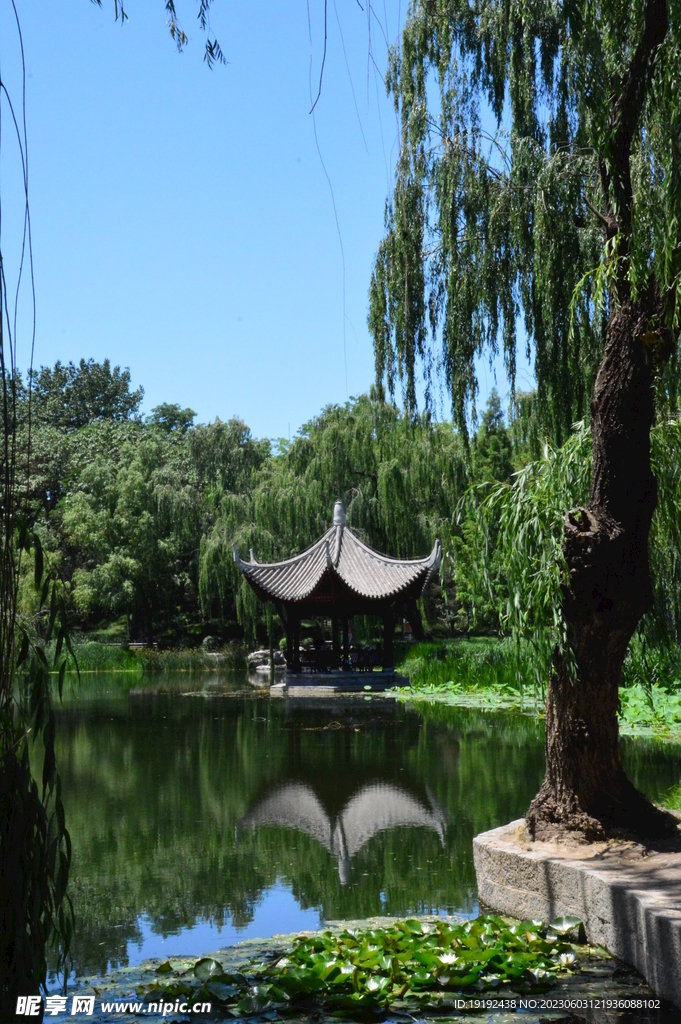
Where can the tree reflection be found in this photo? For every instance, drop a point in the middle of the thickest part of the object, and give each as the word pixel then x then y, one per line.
pixel 186 809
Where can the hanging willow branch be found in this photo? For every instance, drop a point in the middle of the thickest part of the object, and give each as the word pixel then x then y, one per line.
pixel 509 182
pixel 35 848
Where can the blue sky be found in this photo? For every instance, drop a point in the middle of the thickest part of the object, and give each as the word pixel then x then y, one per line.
pixel 182 220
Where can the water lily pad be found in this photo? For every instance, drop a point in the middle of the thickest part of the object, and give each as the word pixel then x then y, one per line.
pixel 221 991
pixel 205 968
pixel 405 965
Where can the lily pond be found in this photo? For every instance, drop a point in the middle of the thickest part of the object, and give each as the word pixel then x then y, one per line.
pixel 204 812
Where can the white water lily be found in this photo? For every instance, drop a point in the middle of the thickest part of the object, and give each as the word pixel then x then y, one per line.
pixel 566 959
pixel 447 958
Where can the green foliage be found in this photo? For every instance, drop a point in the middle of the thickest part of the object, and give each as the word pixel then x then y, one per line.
pixel 93 656
pixel 138 518
pixel 672 800
pixel 492 455
pixel 521 564
pixel 212 54
pixel 35 847
pixel 491 464
pixel 498 675
pixel 130 522
pixel 464 664
pixel 169 417
pixel 650 709
pixel 231 657
pixel 69 397
pixel 122 504
pixel 399 480
pixel 409 966
pixel 647 665
pixel 97 657
pixel 650 698
pixel 665 535
pixel 515 532
pixel 511 166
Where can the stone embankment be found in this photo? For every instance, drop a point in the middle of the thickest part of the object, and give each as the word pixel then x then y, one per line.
pixel 627 895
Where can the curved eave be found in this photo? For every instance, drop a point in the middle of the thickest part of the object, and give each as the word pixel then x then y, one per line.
pixel 342 557
pixel 414 574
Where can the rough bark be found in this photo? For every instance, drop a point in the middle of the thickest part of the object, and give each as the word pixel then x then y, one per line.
pixel 606 550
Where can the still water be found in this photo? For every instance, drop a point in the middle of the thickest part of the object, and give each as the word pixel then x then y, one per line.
pixel 202 812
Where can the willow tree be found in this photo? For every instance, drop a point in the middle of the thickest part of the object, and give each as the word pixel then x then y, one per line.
pixel 540 174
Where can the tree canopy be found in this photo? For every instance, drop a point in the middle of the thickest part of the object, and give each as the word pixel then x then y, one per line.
pixel 138 515
pixel 526 185
pixel 68 397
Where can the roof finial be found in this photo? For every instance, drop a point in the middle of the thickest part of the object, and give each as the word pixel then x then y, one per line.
pixel 339 514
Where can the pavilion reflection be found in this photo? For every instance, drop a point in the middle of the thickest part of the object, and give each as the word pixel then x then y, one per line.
pixel 376 807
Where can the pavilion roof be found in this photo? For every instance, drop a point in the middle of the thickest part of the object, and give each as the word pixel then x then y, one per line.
pixel 340 554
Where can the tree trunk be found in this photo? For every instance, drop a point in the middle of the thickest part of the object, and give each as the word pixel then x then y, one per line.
pixel 606 550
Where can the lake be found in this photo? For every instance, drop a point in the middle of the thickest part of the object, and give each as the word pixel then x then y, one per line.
pixel 203 812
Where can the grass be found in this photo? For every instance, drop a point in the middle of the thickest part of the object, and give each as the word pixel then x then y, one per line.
pixel 231 657
pixel 94 656
pixel 469 662
pixel 672 800
pixel 479 673
pixel 489 673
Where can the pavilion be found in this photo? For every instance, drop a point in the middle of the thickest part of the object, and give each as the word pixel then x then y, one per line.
pixel 336 578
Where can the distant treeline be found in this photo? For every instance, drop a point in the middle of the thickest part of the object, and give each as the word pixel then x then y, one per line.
pixel 138 514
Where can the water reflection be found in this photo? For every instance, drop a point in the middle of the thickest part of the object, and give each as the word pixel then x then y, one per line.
pixel 198 818
pixel 375 808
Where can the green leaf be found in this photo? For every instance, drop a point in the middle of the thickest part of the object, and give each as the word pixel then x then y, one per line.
pixel 23 649
pixel 38 561
pixel 205 968
pixel 62 673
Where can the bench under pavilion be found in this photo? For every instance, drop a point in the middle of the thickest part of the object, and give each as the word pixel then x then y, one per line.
pixel 337 578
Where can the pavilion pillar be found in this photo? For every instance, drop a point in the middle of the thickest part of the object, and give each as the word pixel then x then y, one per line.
pixel 289 638
pixel 336 641
pixel 296 641
pixel 388 641
pixel 346 640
